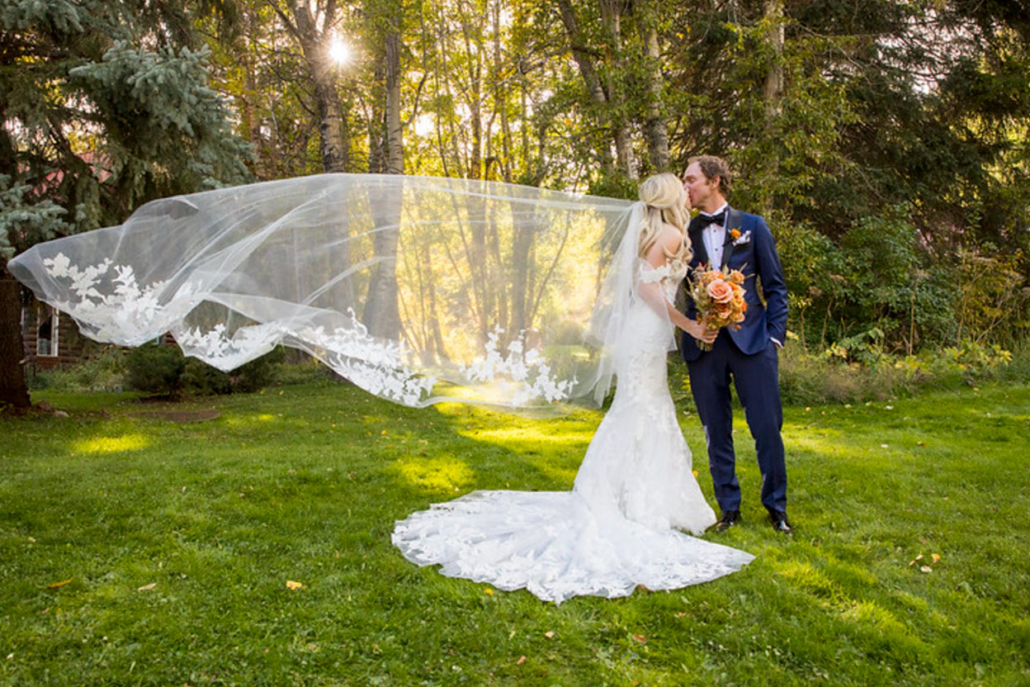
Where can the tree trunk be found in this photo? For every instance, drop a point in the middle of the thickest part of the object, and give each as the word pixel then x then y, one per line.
pixel 585 63
pixel 608 99
pixel 772 92
pixel 656 126
pixel 332 125
pixel 500 99
pixel 13 391
pixel 394 129
pixel 382 315
pixel 611 11
pixel 377 143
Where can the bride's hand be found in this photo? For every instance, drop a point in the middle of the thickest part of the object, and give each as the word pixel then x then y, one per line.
pixel 700 333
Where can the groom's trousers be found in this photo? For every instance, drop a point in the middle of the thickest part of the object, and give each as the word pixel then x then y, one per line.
pixel 756 379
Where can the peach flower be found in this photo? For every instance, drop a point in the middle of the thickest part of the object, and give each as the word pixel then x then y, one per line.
pixel 720 292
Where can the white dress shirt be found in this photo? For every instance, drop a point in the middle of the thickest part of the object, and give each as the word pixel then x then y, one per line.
pixel 714 237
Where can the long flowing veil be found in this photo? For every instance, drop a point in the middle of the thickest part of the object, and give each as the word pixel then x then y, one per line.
pixel 418 290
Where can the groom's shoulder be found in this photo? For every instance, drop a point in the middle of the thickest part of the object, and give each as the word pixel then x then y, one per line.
pixel 750 218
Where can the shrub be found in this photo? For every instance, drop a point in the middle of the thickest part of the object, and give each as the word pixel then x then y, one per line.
pixel 165 370
pixel 257 374
pixel 200 379
pixel 155 369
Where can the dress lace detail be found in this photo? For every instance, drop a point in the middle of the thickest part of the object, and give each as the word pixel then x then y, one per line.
pixel 619 526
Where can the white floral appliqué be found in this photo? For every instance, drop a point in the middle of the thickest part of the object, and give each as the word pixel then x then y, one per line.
pixel 522 376
pixel 128 314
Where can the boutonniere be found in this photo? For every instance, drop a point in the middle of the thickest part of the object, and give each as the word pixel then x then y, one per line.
pixel 740 239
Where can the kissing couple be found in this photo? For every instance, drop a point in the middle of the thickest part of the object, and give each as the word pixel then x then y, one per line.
pixel 635 503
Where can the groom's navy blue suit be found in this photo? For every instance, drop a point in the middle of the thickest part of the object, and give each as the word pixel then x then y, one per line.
pixel 750 356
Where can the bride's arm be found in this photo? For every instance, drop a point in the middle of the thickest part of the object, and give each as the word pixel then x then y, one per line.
pixel 656 257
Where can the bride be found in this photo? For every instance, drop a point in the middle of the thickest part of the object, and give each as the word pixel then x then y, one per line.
pixel 620 526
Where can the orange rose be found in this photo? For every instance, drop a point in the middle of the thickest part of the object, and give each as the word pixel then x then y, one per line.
pixel 734 234
pixel 720 292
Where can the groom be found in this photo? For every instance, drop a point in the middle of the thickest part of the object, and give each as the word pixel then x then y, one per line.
pixel 722 236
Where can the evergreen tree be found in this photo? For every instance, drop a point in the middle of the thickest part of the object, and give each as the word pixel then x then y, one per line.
pixel 104 105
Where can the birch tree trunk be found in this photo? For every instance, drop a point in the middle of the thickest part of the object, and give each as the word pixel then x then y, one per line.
pixel 382 315
pixel 311 24
pixel 772 92
pixel 657 127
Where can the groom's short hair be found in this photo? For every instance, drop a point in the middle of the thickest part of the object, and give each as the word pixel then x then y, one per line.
pixel 712 166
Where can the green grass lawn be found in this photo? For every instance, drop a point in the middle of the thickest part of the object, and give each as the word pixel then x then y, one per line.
pixel 179 539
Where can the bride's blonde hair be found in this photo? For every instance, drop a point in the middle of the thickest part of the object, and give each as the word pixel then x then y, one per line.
pixel 666 203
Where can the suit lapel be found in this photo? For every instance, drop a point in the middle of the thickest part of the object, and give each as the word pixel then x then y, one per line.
pixel 697 242
pixel 733 221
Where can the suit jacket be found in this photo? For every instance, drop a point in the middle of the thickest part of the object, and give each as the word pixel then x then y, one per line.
pixel 754 254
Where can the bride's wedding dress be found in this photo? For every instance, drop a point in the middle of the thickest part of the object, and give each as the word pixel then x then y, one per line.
pixel 619 526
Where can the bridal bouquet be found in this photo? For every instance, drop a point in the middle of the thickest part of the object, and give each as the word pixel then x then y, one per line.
pixel 719 298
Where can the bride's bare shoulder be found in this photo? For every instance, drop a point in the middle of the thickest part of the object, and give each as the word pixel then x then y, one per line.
pixel 672 238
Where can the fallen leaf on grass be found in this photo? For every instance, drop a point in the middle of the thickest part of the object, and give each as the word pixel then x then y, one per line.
pixel 522 659
pixel 925 569
pixel 935 556
pixel 640 638
pixel 146 587
pixel 290 584
pixel 548 634
pixel 58 585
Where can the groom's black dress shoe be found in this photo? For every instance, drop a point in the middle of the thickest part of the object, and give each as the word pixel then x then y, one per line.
pixel 729 519
pixel 780 522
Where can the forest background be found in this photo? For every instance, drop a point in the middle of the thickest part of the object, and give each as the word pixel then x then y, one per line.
pixel 885 141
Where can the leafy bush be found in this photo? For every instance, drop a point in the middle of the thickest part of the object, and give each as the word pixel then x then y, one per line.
pixel 165 370
pixel 257 374
pixel 200 379
pixel 155 369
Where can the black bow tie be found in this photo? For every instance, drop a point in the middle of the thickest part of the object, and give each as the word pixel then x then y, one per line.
pixel 705 220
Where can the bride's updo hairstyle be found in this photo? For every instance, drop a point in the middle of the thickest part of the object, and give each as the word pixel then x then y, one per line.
pixel 666 203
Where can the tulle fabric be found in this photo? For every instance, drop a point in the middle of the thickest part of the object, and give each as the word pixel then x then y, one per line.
pixel 416 289
pixel 620 526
